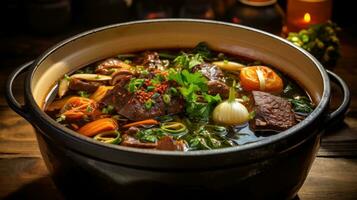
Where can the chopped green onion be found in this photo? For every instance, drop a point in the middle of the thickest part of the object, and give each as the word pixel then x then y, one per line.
pixel 155 95
pixel 148 104
pixel 150 88
pixel 166 98
pixel 110 137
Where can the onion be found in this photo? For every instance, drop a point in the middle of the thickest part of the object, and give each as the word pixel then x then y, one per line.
pixel 231 112
pixel 261 79
pixel 63 87
pixel 229 65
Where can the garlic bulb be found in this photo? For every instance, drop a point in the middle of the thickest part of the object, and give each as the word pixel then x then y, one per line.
pixel 230 112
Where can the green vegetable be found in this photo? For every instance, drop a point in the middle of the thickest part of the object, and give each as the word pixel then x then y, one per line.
pixel 135 84
pixel 167 55
pixel 148 104
pixel 166 98
pixel 86 70
pixel 150 88
pixel 203 50
pixel 202 137
pixel 108 109
pixel 154 96
pixel 302 104
pixel 192 86
pixel 83 94
pixel 175 129
pixel 150 135
pixel 89 108
pixel 187 61
pixel 321 41
pixel 110 137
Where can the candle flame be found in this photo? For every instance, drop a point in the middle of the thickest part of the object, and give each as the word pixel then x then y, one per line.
pixel 307 18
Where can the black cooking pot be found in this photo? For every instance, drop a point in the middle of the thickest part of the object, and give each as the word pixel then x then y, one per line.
pixel 274 168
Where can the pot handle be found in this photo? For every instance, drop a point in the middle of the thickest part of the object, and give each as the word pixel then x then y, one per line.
pixel 342 109
pixel 10 98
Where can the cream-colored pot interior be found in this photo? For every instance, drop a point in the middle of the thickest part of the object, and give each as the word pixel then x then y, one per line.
pixel 110 41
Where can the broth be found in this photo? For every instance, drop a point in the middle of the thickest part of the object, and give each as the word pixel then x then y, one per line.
pixel 178 99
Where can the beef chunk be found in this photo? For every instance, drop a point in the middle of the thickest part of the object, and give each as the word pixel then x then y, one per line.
pixel 210 71
pixel 169 144
pixel 130 106
pixel 121 77
pixel 272 112
pixel 218 87
pixel 105 66
pixel 150 60
pixel 136 110
pixel 79 85
pixel 132 130
pixel 131 141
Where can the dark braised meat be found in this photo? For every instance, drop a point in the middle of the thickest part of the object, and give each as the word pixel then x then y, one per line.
pixel 210 71
pixel 132 107
pixel 79 85
pixel 149 59
pixel 215 76
pixel 272 112
pixel 131 141
pixel 135 109
pixel 121 77
pixel 218 87
pixel 106 66
pixel 169 144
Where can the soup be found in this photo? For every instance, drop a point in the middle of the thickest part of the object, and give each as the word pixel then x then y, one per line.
pixel 178 100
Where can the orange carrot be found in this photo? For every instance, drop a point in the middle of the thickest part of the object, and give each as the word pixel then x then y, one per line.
pixel 100 93
pixel 144 122
pixel 92 128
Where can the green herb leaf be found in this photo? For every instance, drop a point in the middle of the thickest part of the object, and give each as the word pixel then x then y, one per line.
pixel 135 84
pixel 188 61
pixel 108 109
pixel 302 104
pixel 150 135
pixel 83 94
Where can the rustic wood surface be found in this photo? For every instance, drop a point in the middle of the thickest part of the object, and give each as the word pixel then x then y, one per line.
pixel 23 174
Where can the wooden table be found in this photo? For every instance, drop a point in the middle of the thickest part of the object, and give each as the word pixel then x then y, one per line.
pixel 23 174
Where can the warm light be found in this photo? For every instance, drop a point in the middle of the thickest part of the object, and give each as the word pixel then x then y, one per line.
pixel 307 18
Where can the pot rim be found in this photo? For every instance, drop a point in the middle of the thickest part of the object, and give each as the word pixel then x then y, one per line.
pixel 39 114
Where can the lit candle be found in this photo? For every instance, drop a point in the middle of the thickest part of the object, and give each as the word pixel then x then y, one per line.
pixel 303 13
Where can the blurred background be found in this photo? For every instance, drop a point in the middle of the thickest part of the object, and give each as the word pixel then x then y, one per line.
pixel 29 27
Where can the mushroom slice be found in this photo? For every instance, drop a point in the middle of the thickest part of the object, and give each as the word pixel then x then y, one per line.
pixel 229 65
pixel 92 77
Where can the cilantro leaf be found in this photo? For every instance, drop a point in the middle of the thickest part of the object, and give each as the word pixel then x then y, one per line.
pixel 188 61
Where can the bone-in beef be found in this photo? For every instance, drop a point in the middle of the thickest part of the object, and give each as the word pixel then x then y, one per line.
pixel 79 85
pixel 272 112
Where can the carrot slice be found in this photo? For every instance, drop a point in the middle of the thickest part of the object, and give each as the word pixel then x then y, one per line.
pixel 100 93
pixel 92 128
pixel 144 122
